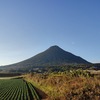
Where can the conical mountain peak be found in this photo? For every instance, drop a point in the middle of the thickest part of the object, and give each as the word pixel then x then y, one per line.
pixel 55 47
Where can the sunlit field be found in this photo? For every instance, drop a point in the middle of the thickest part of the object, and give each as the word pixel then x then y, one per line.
pixel 17 89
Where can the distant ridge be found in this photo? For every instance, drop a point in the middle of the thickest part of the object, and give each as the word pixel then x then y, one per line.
pixel 53 56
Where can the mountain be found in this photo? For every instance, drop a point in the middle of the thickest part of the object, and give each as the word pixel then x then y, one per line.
pixel 53 56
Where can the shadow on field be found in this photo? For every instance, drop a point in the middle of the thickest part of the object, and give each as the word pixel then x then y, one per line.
pixel 41 94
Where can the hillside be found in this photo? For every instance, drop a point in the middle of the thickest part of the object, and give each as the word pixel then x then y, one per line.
pixel 53 56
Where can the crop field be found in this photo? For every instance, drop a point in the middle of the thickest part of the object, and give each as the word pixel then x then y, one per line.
pixel 17 89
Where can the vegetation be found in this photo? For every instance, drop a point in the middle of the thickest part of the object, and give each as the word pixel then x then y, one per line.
pixel 9 74
pixel 68 85
pixel 17 89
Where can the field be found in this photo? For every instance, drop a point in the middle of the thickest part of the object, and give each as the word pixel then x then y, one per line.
pixel 17 89
pixel 68 85
pixel 72 85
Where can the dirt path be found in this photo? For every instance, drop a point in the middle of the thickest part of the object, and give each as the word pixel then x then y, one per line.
pixel 11 77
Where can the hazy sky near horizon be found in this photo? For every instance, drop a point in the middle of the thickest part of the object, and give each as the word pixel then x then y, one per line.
pixel 28 27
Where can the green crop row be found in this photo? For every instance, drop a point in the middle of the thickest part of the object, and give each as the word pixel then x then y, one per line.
pixel 17 89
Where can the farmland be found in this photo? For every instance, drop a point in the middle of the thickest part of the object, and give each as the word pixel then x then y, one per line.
pixel 17 89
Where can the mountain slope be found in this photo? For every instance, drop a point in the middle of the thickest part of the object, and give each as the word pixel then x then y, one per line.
pixel 51 57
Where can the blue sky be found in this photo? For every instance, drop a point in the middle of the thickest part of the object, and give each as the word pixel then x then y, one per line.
pixel 28 27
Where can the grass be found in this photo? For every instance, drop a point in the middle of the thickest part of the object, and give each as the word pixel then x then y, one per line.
pixel 72 85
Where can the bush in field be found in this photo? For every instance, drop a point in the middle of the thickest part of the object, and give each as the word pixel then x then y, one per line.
pixel 80 72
